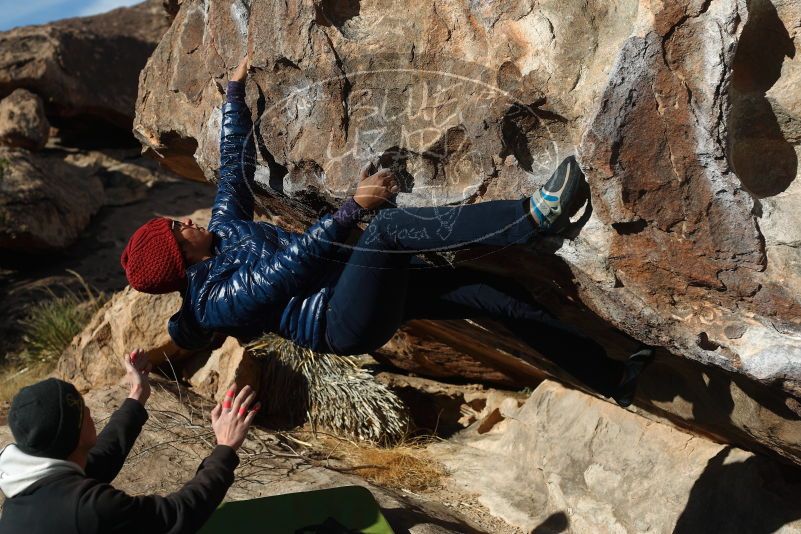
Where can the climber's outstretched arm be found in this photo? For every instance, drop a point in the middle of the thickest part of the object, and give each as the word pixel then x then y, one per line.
pixel 237 154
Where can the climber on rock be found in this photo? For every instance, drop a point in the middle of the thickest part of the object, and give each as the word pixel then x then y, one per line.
pixel 56 476
pixel 244 278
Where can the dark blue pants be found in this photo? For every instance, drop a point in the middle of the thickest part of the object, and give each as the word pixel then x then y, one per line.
pixel 383 285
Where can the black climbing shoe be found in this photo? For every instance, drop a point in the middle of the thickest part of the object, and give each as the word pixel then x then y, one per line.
pixel 552 203
pixel 632 368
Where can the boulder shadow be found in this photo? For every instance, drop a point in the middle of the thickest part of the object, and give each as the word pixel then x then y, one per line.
pixel 755 496
pixel 763 159
pixel 403 520
pixel 527 129
pixel 708 391
pixel 336 12
pixel 285 395
pixel 700 398
pixel 553 524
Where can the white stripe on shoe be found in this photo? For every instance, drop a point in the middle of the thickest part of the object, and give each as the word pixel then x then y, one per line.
pixel 548 204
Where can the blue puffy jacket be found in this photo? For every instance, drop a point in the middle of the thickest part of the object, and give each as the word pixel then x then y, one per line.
pixel 261 277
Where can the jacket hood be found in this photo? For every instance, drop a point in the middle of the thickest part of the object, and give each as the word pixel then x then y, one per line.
pixel 18 471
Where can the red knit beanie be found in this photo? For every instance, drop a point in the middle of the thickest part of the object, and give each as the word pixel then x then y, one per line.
pixel 152 259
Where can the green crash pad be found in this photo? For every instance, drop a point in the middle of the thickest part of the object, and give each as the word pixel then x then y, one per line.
pixel 346 510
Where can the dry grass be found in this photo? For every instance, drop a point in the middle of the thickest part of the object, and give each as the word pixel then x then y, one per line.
pixel 406 466
pixel 49 326
pixel 51 323
pixel 13 378
pixel 179 423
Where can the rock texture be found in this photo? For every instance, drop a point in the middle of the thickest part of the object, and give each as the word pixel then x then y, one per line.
pixel 85 69
pixel 452 350
pixel 683 115
pixel 23 123
pixel 80 75
pixel 229 364
pixel 45 201
pixel 129 320
pixel 565 461
pixel 556 461
pixel 441 409
pixel 683 240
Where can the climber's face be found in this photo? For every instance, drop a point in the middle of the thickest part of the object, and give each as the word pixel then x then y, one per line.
pixel 195 241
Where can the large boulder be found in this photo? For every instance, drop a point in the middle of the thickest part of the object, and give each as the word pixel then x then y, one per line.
pixel 684 117
pixel 23 123
pixel 85 69
pixel 211 375
pixel 566 462
pixel 552 460
pixel 130 320
pixel 45 201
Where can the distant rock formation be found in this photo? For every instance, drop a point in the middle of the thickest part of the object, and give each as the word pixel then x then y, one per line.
pixel 84 69
pixel 80 75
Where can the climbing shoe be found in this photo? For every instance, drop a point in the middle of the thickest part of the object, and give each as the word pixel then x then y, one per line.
pixel 552 203
pixel 632 368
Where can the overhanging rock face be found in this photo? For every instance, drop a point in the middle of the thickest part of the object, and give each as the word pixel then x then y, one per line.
pixel 685 117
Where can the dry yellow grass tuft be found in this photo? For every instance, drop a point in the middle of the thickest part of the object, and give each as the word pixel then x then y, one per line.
pixel 405 466
pixel 14 378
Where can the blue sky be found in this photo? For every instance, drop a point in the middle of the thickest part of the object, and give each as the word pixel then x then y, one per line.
pixel 24 12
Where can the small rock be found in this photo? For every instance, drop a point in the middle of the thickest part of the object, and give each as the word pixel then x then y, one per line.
pixel 490 421
pixel 23 122
pixel 735 331
pixel 229 364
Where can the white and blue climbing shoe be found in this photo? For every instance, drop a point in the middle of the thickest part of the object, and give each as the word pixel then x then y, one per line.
pixel 551 204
